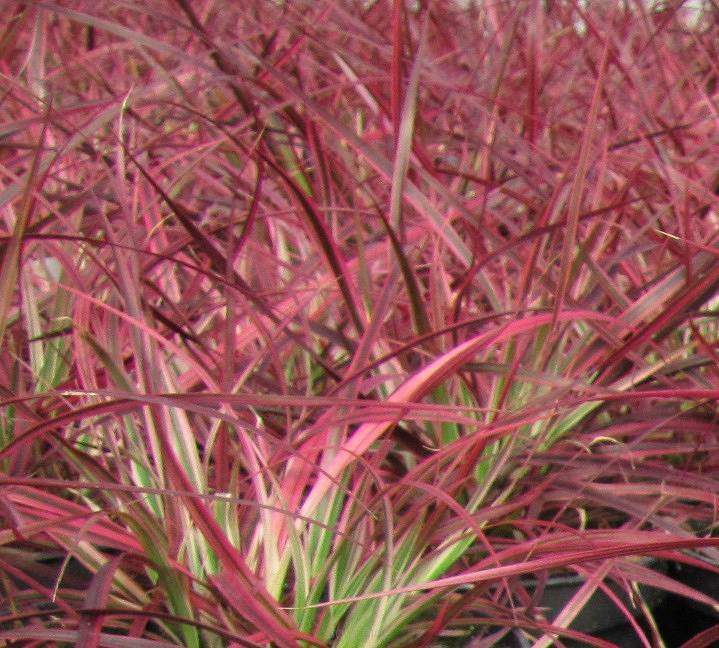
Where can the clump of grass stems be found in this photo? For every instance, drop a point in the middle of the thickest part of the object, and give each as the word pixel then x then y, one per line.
pixel 325 323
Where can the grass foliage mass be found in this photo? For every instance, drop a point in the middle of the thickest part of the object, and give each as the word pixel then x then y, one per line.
pixel 328 322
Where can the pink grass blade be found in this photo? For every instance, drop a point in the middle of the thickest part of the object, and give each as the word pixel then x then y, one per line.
pixel 396 71
pixel 235 592
pixel 88 634
pixel 106 640
pixel 574 203
pixel 704 639
pixel 11 257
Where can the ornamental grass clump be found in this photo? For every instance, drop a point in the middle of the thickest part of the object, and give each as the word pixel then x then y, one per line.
pixel 327 323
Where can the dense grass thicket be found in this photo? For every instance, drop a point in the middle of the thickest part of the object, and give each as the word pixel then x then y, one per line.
pixel 326 322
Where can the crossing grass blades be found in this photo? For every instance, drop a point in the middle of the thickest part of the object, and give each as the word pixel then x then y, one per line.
pixel 354 323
